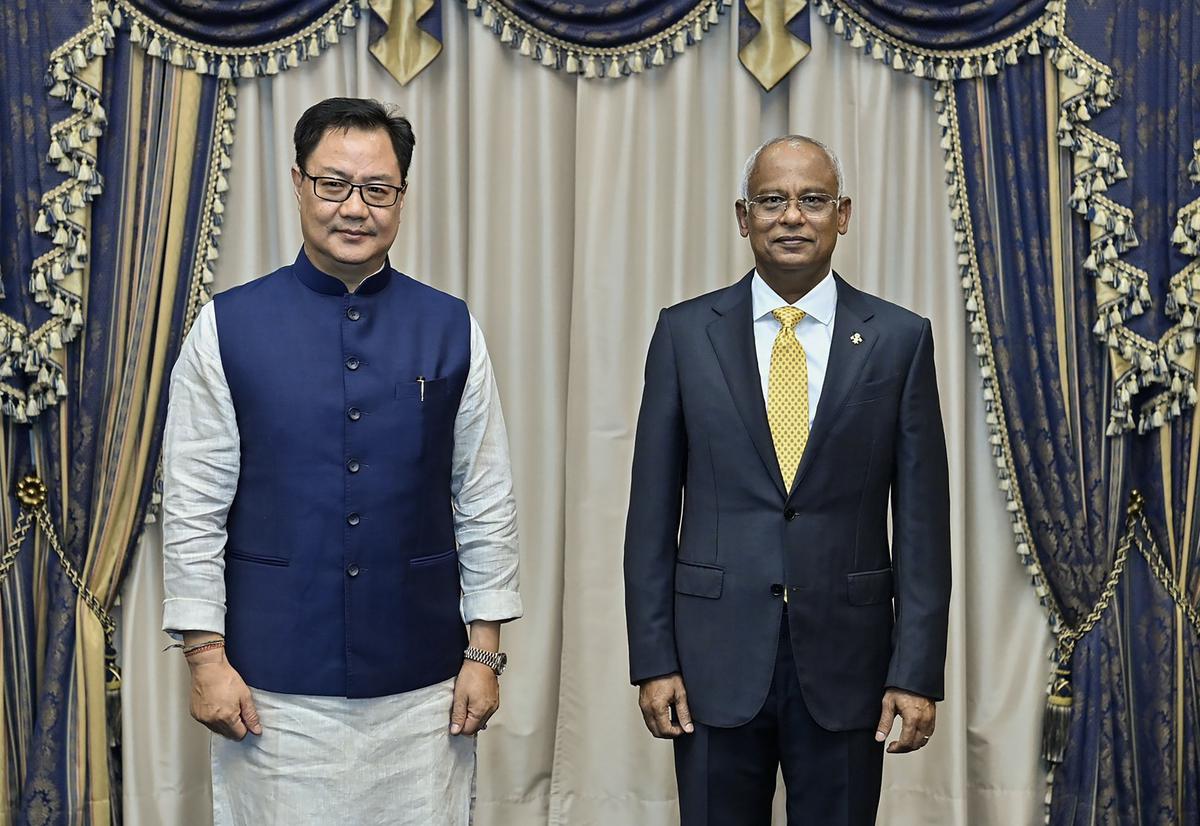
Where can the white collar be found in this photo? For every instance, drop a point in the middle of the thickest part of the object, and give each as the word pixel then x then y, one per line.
pixel 819 303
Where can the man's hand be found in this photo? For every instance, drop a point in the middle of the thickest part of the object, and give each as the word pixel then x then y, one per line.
pixel 476 698
pixel 918 713
pixel 220 698
pixel 656 697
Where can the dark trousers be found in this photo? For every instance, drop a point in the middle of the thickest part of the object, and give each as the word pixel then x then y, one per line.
pixel 727 776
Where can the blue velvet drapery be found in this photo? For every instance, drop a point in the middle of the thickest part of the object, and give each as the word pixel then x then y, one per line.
pixel 1069 154
pixel 111 218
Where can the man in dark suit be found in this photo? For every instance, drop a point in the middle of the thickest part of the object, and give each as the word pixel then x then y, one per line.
pixel 769 625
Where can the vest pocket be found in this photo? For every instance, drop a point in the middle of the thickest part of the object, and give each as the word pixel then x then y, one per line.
pixel 412 390
pixel 260 559
pixel 433 559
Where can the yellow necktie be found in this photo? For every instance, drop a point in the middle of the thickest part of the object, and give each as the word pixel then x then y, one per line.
pixel 787 394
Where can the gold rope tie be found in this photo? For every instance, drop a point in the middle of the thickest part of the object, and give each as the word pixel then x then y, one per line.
pixel 1059 700
pixel 32 494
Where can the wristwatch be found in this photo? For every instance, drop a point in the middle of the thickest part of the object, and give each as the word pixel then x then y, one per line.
pixel 497 661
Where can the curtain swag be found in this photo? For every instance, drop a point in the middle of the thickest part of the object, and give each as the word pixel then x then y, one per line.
pixel 940 63
pixel 236 61
pixel 575 54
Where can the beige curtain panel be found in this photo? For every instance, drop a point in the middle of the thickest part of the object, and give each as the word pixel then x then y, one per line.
pixel 567 212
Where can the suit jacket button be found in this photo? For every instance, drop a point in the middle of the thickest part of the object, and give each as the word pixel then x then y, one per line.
pixel 789 514
pixel 776 590
pixel 352 570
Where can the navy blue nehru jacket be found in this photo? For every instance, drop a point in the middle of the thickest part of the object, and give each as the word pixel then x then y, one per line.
pixel 341 571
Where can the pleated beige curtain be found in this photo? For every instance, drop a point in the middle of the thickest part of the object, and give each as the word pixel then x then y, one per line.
pixel 567 212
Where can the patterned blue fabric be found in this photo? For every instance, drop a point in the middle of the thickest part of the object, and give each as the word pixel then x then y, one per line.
pixel 1131 748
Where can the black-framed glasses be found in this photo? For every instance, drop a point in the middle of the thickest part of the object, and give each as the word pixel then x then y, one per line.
pixel 338 191
pixel 772 206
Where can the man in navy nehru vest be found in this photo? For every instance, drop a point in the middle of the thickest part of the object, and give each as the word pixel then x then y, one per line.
pixel 338 511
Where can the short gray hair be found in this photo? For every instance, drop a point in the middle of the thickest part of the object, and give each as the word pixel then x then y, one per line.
pixel 794 141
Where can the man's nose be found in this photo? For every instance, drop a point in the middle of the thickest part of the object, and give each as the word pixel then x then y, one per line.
pixel 354 206
pixel 792 214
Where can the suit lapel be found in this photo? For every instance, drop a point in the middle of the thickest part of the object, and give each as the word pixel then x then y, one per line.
pixel 732 337
pixel 846 360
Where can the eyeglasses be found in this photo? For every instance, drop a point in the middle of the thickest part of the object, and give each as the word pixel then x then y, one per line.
pixel 339 191
pixel 812 205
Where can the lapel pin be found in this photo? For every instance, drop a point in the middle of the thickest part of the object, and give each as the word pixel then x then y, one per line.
pixel 856 339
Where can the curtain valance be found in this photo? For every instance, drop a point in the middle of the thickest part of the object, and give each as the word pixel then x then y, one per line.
pixel 600 38
pixel 230 39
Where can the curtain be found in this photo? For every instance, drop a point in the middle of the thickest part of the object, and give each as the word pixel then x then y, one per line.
pixel 94 449
pixel 109 240
pixel 567 212
pixel 1073 207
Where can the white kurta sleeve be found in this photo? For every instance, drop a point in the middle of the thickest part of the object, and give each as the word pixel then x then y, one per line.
pixel 485 513
pixel 201 459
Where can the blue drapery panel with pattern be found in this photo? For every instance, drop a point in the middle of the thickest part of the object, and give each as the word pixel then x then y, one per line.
pixel 1066 198
pixel 1071 137
pixel 137 213
pixel 110 232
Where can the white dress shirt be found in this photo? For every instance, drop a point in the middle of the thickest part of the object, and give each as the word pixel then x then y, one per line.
pixel 201 449
pixel 814 332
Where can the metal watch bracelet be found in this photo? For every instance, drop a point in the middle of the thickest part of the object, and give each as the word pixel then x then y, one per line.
pixel 493 660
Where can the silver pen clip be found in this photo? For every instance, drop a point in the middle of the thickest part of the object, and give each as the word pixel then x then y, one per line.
pixel 421 381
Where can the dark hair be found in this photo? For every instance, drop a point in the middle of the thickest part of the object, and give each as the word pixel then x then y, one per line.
pixel 354 113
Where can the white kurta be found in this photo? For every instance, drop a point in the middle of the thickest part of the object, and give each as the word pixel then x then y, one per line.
pixel 329 761
pixel 333 760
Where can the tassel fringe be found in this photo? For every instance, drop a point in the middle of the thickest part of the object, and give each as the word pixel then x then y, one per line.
pixel 580 59
pixel 1056 720
pixel 939 65
pixel 268 59
pixel 56 277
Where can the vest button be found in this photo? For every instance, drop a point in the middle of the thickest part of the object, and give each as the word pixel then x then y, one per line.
pixel 776 589
pixel 353 314
pixel 352 570
pixel 353 519
pixel 354 414
pixel 352 363
pixel 789 514
pixel 353 466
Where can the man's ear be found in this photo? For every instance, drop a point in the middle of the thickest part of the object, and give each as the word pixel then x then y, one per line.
pixel 742 211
